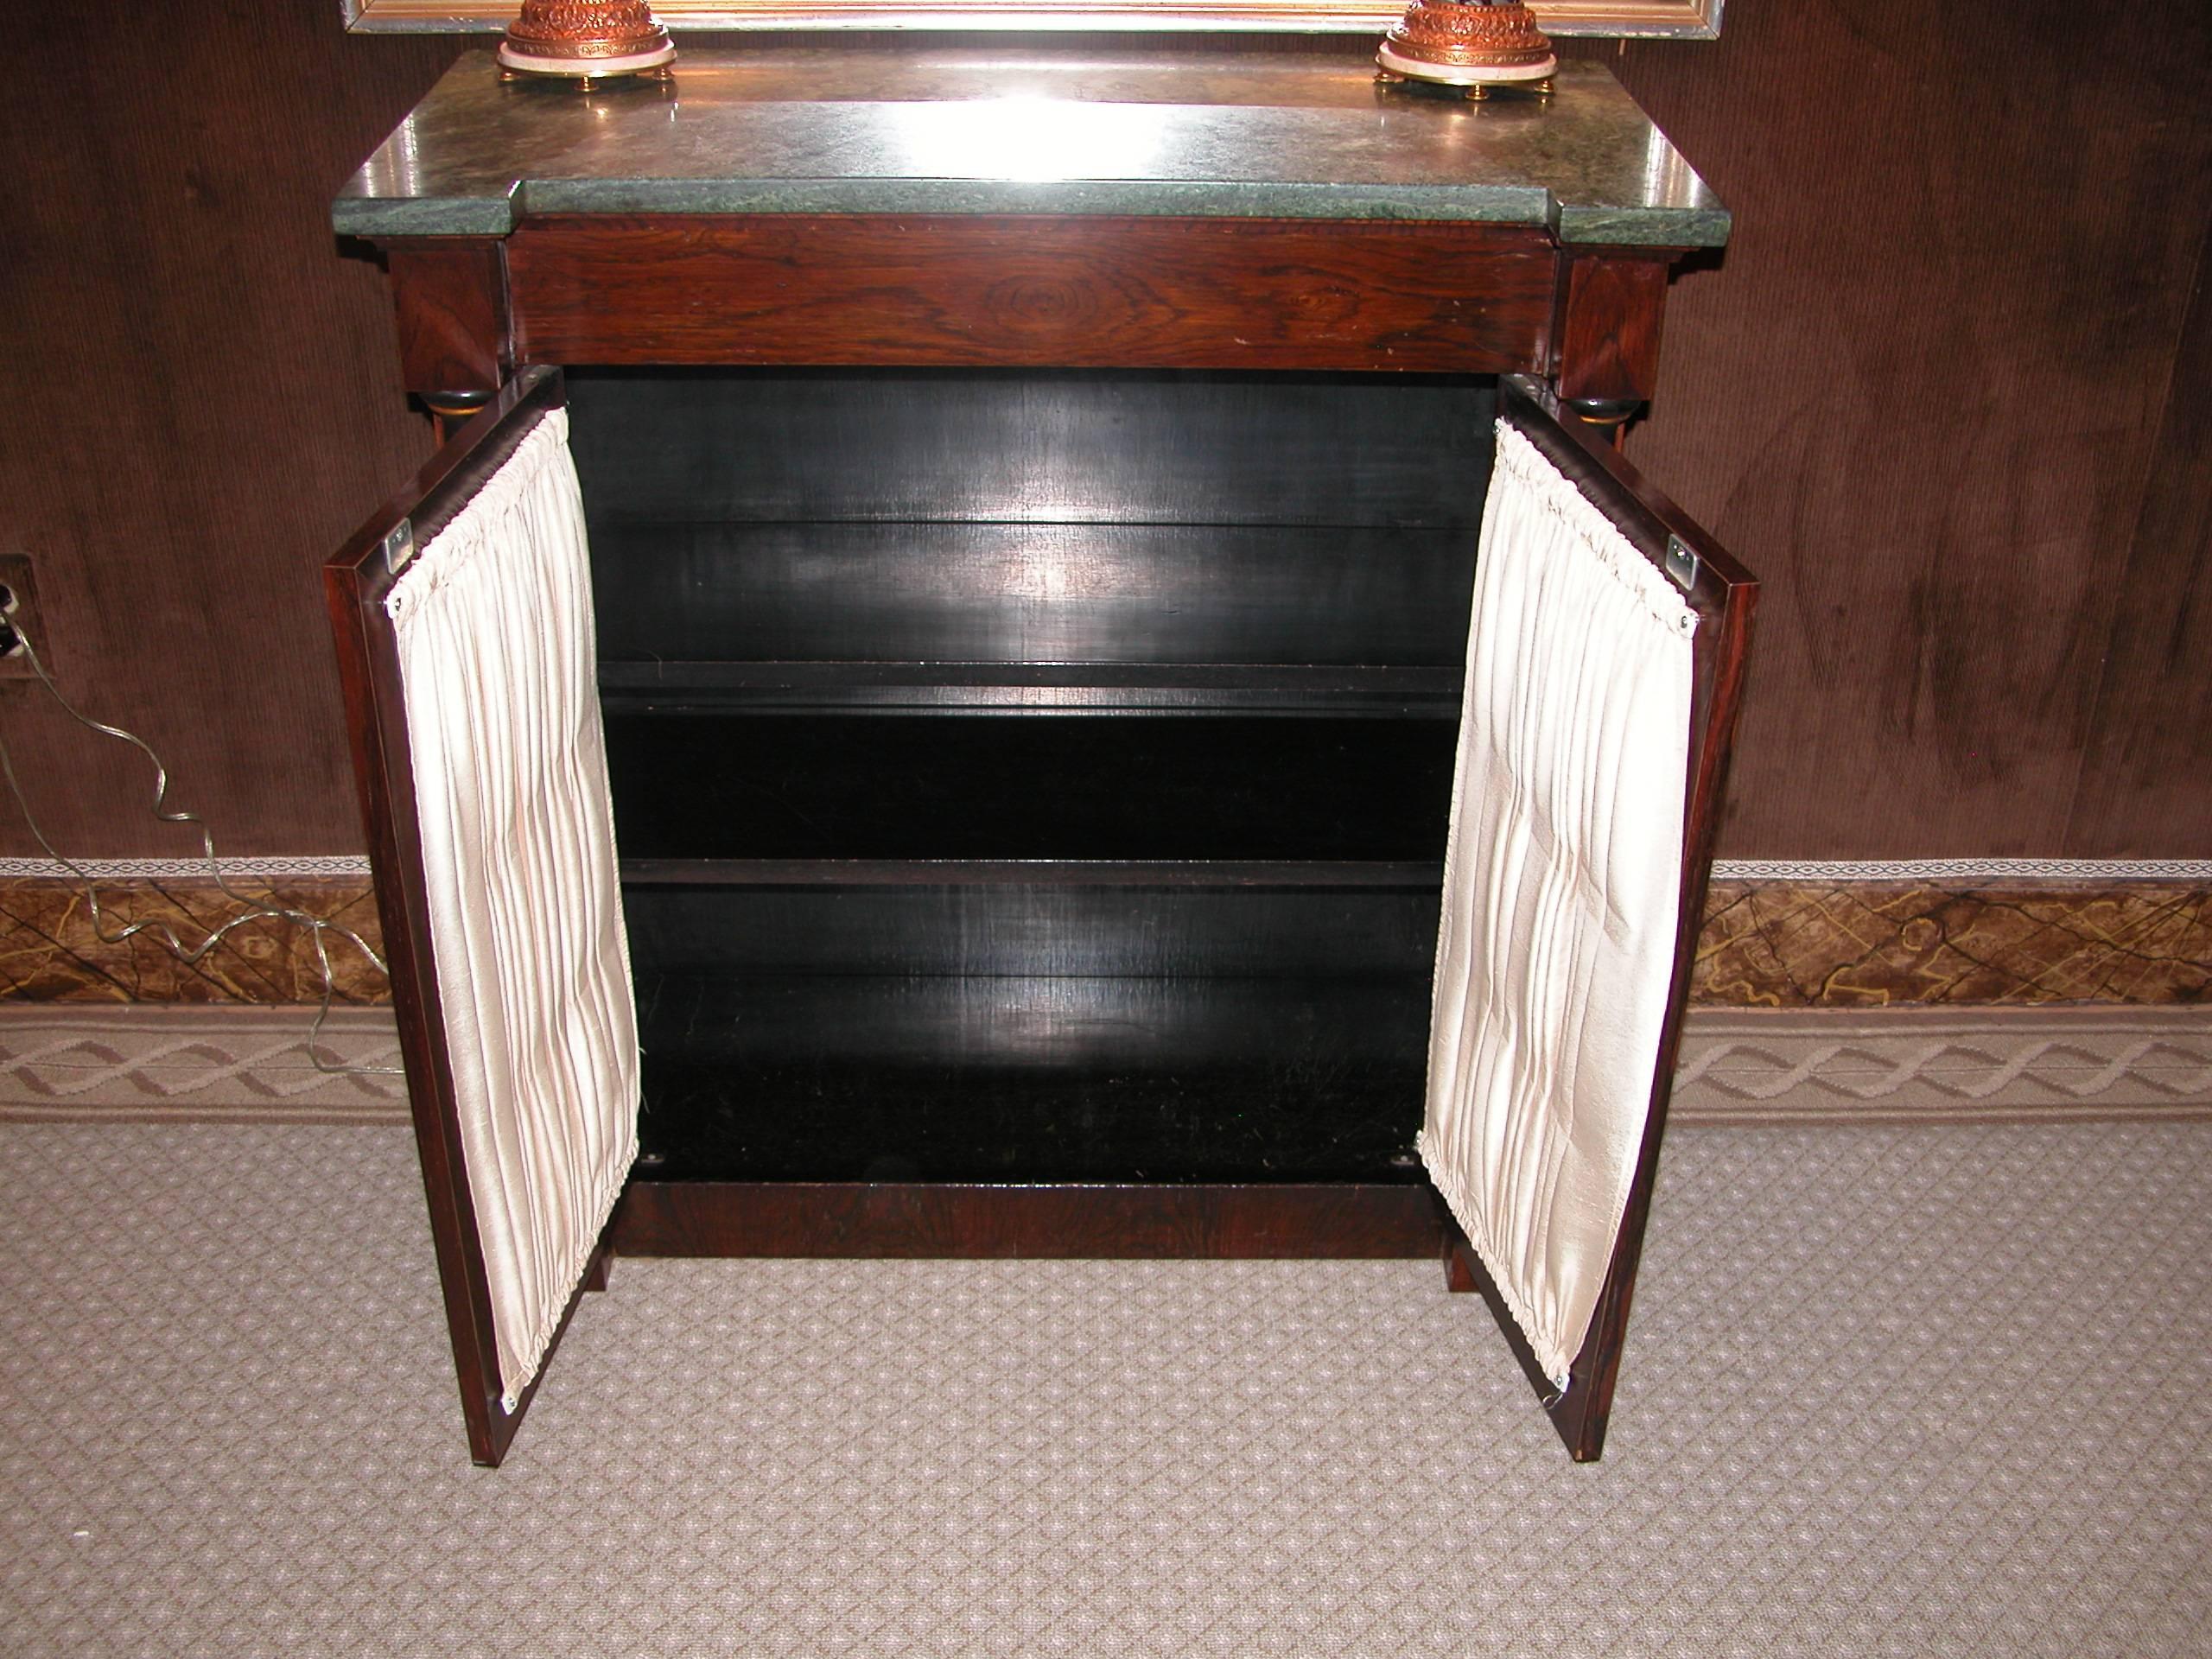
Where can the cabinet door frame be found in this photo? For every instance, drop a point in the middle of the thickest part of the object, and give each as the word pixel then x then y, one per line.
pixel 1724 595
pixel 355 583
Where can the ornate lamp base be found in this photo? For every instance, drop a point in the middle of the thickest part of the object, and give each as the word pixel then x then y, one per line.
pixel 1474 46
pixel 585 42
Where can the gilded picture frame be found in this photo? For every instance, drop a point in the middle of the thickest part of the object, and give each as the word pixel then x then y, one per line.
pixel 1678 19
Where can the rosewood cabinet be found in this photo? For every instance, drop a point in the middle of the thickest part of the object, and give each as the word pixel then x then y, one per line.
pixel 1032 503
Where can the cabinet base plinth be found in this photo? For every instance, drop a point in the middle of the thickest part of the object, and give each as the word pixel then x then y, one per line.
pixel 1123 1221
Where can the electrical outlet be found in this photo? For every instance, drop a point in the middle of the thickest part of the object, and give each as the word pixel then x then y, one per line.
pixel 20 615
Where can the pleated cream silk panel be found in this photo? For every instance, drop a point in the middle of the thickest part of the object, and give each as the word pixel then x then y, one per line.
pixel 497 663
pixel 1561 882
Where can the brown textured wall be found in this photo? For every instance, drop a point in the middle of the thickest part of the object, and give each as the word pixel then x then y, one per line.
pixel 1938 392
pixel 200 399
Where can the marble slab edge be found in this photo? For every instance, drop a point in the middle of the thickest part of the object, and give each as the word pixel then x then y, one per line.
pixel 378 218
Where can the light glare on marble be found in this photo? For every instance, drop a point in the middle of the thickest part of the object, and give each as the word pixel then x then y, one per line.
pixel 1031 138
pixel 1666 176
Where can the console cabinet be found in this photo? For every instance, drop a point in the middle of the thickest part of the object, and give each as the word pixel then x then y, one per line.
pixel 1032 504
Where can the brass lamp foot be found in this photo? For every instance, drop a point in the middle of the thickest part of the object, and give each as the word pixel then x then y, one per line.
pixel 585 80
pixel 1475 91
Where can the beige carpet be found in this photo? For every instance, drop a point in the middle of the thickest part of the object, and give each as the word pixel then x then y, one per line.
pixel 1937 1390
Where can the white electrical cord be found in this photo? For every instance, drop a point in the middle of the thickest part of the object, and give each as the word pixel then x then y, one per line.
pixel 254 910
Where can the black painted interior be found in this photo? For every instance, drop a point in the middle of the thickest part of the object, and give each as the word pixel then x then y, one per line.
pixel 902 670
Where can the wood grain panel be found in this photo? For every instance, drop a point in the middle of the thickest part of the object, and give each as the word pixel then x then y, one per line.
pixel 1609 326
pixel 203 398
pixel 451 304
pixel 1921 395
pixel 1131 292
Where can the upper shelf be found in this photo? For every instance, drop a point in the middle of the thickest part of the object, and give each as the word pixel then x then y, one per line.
pixel 869 128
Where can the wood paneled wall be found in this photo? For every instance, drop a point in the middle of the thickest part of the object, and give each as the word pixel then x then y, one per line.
pixel 1946 391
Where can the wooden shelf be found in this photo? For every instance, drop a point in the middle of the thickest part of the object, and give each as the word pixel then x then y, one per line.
pixel 1379 691
pixel 1035 591
pixel 1042 919
pixel 1233 787
pixel 884 1077
pixel 803 873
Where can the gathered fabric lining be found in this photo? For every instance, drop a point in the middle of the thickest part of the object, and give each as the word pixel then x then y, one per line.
pixel 497 668
pixel 1561 884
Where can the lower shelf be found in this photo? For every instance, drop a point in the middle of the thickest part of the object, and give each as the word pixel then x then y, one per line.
pixel 883 1079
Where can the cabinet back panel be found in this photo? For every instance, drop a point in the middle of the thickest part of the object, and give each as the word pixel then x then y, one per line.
pixel 1029 593
pixel 1095 447
pixel 1016 928
pixel 1032 786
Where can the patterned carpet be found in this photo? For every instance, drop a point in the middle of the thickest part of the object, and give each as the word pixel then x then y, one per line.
pixel 195 1063
pixel 1935 1389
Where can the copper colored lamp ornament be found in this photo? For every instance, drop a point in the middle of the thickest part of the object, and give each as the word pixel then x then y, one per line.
pixel 586 41
pixel 1469 44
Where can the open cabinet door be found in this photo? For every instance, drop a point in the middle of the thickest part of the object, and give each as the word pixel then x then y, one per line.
pixel 1602 671
pixel 462 614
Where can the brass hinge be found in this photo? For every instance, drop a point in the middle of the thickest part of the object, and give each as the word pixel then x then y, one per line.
pixel 1681 563
pixel 398 546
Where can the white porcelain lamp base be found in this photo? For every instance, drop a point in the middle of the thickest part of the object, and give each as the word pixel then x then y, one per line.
pixel 525 63
pixel 1444 75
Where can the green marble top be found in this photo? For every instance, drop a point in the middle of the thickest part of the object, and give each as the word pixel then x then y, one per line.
pixel 892 128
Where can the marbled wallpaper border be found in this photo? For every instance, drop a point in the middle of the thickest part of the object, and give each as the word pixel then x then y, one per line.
pixel 53 950
pixel 1874 945
pixel 1766 943
pixel 187 869
pixel 1952 871
pixel 1940 870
